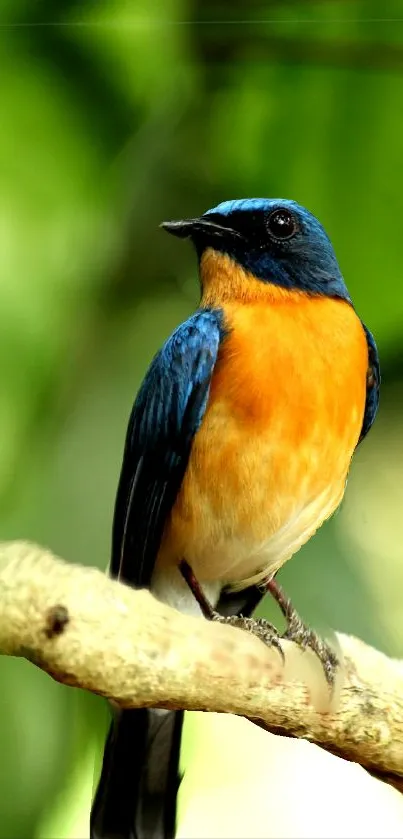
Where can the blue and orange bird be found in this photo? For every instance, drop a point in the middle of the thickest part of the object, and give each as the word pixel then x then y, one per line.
pixel 237 449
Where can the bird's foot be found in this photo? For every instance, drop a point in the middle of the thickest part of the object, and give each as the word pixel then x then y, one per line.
pixel 302 635
pixel 306 638
pixel 296 630
pixel 260 627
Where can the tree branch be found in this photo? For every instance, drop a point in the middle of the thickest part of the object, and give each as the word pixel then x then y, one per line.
pixel 87 630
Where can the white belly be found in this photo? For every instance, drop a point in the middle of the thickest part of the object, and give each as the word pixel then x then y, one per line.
pixel 258 565
pixel 237 561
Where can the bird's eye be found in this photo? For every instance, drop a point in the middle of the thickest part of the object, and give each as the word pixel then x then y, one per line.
pixel 281 224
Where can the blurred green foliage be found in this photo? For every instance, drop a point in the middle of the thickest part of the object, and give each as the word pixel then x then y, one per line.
pixel 116 114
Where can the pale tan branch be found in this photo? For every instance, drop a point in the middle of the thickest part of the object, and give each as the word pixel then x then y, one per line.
pixel 87 630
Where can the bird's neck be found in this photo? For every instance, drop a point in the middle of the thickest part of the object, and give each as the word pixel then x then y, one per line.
pixel 223 280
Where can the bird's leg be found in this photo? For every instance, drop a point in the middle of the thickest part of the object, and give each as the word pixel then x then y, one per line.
pixel 301 634
pixel 196 589
pixel 260 627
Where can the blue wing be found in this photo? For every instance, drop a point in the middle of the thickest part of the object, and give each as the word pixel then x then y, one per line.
pixel 373 384
pixel 166 415
pixel 136 793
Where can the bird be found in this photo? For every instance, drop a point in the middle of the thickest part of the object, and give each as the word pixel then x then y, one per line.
pixel 238 448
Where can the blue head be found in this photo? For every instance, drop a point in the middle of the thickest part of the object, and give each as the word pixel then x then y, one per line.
pixel 276 240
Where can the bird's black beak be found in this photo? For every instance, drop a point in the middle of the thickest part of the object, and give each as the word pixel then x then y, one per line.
pixel 192 227
pixel 182 229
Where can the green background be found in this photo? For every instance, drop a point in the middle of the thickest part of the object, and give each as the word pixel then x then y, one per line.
pixel 114 116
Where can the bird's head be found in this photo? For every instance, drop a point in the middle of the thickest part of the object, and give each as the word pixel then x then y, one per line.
pixel 275 240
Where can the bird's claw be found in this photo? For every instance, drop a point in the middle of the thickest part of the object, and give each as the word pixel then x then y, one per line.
pixel 306 638
pixel 259 627
pixel 302 635
pixel 296 630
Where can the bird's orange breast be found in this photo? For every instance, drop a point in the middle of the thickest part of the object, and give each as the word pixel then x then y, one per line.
pixel 270 460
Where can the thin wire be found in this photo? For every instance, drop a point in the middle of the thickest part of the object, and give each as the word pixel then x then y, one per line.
pixel 146 23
